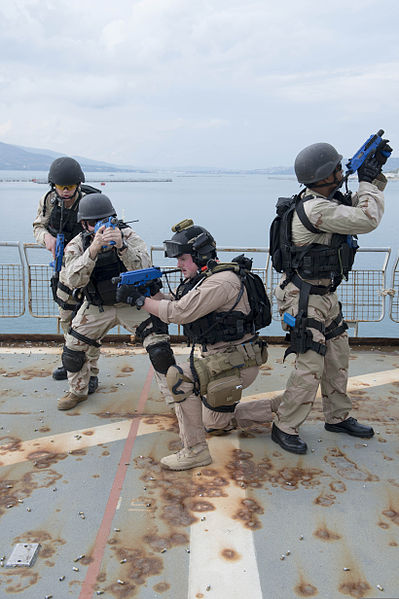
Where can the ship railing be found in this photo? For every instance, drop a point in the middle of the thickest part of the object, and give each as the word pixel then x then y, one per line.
pixel 12 280
pixel 363 296
pixel 393 292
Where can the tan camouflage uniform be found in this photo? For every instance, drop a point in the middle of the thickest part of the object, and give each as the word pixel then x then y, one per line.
pixel 94 323
pixel 217 293
pixel 312 369
pixel 40 229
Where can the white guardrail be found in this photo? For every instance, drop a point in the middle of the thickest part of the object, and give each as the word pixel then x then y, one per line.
pixel 25 274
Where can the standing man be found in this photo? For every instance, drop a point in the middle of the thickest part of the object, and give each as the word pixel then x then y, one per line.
pixel 92 260
pixel 318 253
pixel 213 305
pixel 57 214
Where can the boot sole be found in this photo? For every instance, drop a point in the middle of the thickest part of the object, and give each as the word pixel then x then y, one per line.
pixel 203 463
pixel 289 449
pixel 344 430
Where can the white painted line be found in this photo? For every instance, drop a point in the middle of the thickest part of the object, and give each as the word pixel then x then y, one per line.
pixel 222 551
pixel 107 433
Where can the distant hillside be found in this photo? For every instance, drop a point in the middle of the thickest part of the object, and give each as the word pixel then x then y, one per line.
pixel 19 158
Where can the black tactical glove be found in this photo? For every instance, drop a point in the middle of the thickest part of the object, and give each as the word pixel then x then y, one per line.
pixel 129 294
pixel 371 167
pixel 155 286
pixel 383 152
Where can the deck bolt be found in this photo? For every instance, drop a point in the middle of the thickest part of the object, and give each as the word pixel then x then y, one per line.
pixel 148 505
pixel 379 587
pixel 61 578
pixel 346 569
pixel 188 550
pixel 282 557
pixel 364 444
pixel 9 486
pixel 123 561
pixel 117 529
pixel 120 581
pixel 208 587
pixel 203 518
pixel 301 537
pixel 288 552
pixel 100 592
pixel 75 569
pixel 163 550
pixel 48 597
pixel 28 509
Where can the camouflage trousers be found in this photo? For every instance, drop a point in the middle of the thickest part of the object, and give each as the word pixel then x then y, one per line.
pixel 92 323
pixel 193 417
pixel 312 369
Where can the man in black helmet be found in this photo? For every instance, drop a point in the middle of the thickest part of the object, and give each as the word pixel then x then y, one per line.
pixel 92 260
pixel 57 213
pixel 317 256
pixel 213 305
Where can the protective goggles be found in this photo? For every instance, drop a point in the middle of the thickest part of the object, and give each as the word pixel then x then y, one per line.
pixel 68 187
pixel 174 249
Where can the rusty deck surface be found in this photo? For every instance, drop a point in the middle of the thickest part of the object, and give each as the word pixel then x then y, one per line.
pixel 257 523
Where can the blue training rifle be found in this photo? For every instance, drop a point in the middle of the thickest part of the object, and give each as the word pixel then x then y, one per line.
pixel 142 277
pixel 59 252
pixel 369 147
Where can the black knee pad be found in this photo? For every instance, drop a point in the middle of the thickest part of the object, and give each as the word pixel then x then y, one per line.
pixel 161 356
pixel 72 360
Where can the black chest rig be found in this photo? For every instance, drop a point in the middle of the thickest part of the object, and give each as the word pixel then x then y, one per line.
pixel 70 227
pixel 100 291
pixel 216 326
pixel 320 261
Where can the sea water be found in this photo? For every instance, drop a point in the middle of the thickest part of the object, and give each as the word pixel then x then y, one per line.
pixel 237 209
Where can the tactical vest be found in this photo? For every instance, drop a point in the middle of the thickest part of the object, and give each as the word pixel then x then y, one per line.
pixel 100 291
pixel 70 226
pixel 218 326
pixel 313 261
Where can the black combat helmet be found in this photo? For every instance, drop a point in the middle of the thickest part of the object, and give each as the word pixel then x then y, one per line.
pixel 316 162
pixel 65 171
pixel 95 206
pixel 191 239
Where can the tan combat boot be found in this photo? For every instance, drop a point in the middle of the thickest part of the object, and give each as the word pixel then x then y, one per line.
pixel 70 400
pixel 188 457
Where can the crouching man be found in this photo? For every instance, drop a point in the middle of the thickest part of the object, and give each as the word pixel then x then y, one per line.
pixel 214 303
pixel 93 259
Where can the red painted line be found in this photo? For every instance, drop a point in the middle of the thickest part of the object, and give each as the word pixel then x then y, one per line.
pixel 93 570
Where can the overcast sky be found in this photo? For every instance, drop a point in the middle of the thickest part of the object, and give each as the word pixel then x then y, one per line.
pixel 220 83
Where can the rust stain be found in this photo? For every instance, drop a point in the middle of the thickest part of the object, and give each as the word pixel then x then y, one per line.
pixel 161 587
pixel 305 589
pixel 324 534
pixel 337 486
pixel 13 490
pixel 325 500
pixel 44 459
pixel 25 580
pixel 247 514
pixel 356 588
pixel 9 444
pixel 230 555
pixel 392 515
pixel 346 468
pixel 244 471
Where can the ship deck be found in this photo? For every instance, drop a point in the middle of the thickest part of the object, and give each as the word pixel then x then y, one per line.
pixel 258 522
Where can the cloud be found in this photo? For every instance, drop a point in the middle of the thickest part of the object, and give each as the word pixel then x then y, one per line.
pixel 237 84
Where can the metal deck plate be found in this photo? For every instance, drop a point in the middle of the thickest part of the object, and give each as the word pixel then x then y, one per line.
pixel 23 555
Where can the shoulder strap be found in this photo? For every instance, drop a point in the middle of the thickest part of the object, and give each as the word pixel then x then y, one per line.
pixel 300 210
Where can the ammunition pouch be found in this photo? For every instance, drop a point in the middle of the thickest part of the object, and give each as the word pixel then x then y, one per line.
pixel 219 374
